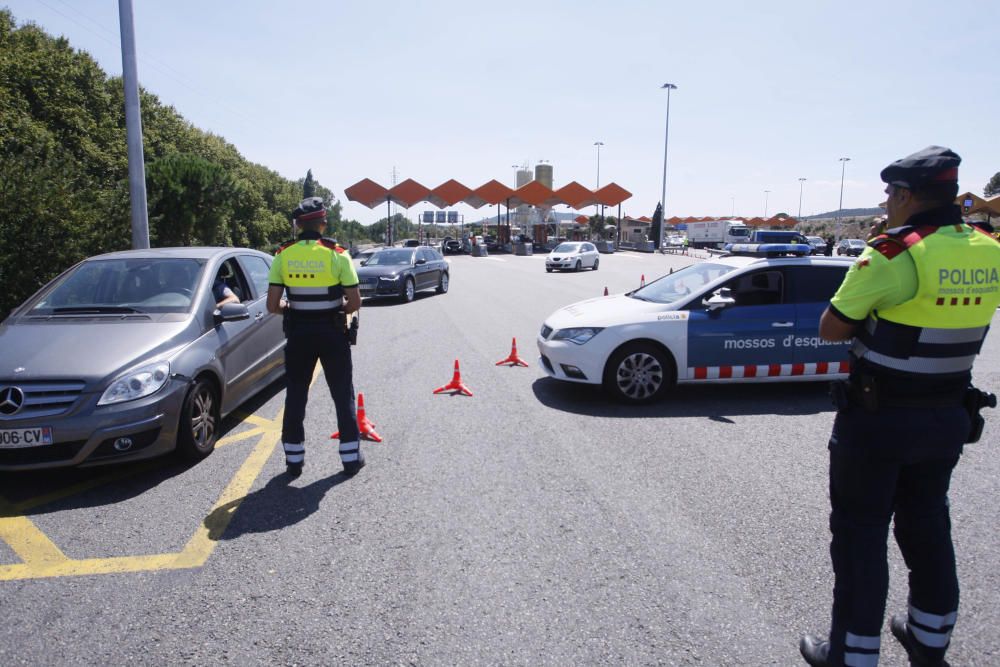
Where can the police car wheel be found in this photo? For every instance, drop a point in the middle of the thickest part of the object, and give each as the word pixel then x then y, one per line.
pixel 638 373
pixel 199 423
pixel 443 283
pixel 579 264
pixel 408 290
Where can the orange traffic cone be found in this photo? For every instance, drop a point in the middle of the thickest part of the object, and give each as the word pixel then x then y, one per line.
pixel 366 429
pixel 456 385
pixel 512 358
pixel 605 290
pixel 642 280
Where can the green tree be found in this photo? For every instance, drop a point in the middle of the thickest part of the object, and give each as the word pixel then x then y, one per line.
pixel 308 185
pixel 191 200
pixel 993 187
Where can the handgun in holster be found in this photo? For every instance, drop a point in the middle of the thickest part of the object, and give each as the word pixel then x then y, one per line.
pixel 351 323
pixel 974 401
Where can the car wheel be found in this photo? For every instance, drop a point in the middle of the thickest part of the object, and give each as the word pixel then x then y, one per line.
pixel 639 373
pixel 443 283
pixel 408 291
pixel 199 424
pixel 596 262
pixel 548 269
pixel 578 266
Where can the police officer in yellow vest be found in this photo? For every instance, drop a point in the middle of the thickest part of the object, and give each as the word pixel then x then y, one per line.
pixel 918 303
pixel 314 284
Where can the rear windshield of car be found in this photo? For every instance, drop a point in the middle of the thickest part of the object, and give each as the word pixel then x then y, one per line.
pixel 111 286
pixel 681 284
pixel 390 258
pixel 567 247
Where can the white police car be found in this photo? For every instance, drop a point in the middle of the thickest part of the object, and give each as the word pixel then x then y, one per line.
pixel 733 318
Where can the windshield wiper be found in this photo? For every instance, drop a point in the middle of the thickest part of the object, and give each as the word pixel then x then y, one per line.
pixel 96 310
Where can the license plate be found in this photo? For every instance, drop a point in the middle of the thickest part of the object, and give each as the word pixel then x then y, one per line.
pixel 25 437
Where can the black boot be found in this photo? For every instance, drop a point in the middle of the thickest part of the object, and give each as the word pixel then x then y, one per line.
pixel 351 469
pixel 293 469
pixel 816 651
pixel 914 650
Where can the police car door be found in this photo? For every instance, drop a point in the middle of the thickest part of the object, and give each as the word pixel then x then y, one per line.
pixel 745 339
pixel 810 288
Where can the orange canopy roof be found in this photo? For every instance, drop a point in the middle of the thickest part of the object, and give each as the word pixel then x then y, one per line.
pixel 534 193
pixel 491 192
pixel 581 219
pixel 612 194
pixel 367 192
pixel 448 193
pixel 576 196
pixel 674 220
pixel 408 193
pixel 755 222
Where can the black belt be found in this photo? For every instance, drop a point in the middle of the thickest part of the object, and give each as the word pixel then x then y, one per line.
pixel 868 392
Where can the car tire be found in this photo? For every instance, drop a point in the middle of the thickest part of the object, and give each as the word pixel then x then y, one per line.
pixel 408 290
pixel 548 270
pixel 442 287
pixel 596 262
pixel 639 373
pixel 579 265
pixel 198 428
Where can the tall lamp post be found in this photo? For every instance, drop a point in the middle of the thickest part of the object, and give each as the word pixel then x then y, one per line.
pixel 840 206
pixel 801 182
pixel 666 136
pixel 766 193
pixel 598 144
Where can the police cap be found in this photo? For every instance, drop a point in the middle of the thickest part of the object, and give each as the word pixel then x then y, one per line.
pixel 310 208
pixel 933 165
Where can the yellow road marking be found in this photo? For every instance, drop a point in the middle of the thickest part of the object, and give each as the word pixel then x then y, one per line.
pixel 28 542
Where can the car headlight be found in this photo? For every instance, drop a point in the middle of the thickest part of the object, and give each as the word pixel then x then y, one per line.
pixel 389 279
pixel 578 335
pixel 136 384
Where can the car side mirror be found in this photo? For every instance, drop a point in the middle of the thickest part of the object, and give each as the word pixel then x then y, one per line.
pixel 719 300
pixel 421 261
pixel 231 312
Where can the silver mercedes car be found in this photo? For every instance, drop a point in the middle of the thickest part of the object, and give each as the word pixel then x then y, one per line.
pixel 133 354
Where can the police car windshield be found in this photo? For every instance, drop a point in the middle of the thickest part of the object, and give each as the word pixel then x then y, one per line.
pixel 390 258
pixel 116 286
pixel 681 284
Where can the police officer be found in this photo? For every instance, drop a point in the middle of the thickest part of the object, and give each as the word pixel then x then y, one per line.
pixel 321 286
pixel 918 303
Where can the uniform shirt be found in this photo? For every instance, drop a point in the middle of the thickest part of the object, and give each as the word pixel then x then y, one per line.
pixel 874 282
pixel 341 267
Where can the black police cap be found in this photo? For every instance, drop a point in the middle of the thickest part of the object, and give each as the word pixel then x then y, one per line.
pixel 934 164
pixel 310 208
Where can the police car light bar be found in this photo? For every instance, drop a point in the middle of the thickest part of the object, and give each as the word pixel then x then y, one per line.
pixel 768 249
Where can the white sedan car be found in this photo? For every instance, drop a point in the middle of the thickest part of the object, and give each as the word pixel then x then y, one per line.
pixel 728 319
pixel 573 256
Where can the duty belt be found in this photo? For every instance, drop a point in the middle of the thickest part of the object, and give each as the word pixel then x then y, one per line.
pixel 866 391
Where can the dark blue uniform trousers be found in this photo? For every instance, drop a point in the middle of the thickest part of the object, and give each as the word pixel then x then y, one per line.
pixel 896 461
pixel 309 342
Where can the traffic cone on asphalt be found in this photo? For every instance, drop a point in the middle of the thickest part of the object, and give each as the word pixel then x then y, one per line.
pixel 642 280
pixel 512 359
pixel 605 290
pixel 366 429
pixel 456 385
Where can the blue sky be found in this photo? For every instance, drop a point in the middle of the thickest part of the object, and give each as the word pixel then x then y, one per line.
pixel 768 92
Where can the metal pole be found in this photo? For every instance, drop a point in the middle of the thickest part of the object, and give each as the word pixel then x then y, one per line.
pixel 597 209
pixel 840 206
pixel 801 182
pixel 666 136
pixel 766 193
pixel 133 129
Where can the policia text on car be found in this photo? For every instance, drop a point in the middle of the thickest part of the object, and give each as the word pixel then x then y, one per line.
pixel 904 414
pixel 321 285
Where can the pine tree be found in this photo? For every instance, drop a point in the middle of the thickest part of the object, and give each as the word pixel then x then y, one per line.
pixel 309 185
pixel 993 187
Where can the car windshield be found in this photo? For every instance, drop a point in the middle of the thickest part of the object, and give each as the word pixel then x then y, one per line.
pixel 681 284
pixel 567 247
pixel 391 258
pixel 113 286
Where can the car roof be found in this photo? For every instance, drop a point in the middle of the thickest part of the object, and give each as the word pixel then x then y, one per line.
pixel 197 252
pixel 743 261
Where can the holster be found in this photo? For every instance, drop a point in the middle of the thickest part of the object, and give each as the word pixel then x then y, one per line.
pixel 974 401
pixel 351 324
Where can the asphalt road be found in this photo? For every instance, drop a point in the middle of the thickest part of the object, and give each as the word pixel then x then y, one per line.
pixel 534 523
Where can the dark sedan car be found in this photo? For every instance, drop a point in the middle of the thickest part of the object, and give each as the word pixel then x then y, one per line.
pixel 402 272
pixel 126 356
pixel 452 247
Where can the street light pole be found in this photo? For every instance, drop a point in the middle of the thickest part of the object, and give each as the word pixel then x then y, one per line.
pixel 766 193
pixel 840 206
pixel 801 182
pixel 666 136
pixel 598 144
pixel 133 129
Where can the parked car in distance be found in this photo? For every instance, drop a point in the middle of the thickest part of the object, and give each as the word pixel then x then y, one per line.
pixel 451 247
pixel 125 356
pixel 573 256
pixel 411 243
pixel 852 247
pixel 818 245
pixel 402 272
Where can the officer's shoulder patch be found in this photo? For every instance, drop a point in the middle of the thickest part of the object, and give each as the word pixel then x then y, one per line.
pixel 285 245
pixel 888 246
pixel 862 262
pixel 331 244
